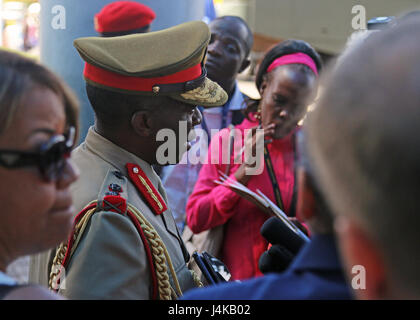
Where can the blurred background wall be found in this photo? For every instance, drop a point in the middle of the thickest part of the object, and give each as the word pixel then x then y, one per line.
pixel 28 26
pixel 56 49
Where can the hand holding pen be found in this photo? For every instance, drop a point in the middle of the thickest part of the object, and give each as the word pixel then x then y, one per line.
pixel 249 159
pixel 253 137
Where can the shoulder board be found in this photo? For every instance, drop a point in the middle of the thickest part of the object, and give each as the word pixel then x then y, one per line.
pixel 146 188
pixel 113 193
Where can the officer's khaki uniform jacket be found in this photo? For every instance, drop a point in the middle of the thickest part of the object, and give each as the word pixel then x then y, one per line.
pixel 110 260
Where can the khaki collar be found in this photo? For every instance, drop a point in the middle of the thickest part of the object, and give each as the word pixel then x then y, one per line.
pixel 117 156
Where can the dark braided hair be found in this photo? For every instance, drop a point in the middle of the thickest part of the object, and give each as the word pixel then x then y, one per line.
pixel 281 49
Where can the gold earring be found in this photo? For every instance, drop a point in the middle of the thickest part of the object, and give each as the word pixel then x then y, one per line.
pixel 258 114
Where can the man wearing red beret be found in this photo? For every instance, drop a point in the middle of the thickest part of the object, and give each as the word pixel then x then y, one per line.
pixel 123 17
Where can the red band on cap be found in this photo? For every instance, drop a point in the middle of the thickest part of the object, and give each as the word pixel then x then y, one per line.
pixel 119 81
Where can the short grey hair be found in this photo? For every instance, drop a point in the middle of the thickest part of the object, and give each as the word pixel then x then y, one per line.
pixel 364 139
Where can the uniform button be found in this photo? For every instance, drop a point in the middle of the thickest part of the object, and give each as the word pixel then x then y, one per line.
pixel 119 175
pixel 136 170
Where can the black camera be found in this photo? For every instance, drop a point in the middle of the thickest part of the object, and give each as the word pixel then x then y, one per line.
pixel 214 270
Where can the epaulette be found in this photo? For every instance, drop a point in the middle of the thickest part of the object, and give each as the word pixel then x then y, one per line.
pixel 113 198
pixel 113 193
pixel 146 188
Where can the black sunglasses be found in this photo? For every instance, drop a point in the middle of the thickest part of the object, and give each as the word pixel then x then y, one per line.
pixel 51 159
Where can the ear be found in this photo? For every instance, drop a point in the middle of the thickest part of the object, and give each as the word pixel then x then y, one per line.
pixel 245 64
pixel 362 260
pixel 142 123
pixel 305 206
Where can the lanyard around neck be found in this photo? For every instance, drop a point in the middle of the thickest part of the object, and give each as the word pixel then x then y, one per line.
pixel 274 183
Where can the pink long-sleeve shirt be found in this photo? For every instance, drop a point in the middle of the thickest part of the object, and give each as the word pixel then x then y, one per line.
pixel 211 204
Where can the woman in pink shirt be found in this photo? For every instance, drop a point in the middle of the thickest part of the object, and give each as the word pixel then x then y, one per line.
pixel 286 79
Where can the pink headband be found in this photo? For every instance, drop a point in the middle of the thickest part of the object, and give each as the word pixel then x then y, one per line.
pixel 295 58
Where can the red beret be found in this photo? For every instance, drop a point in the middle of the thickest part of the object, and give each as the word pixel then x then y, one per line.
pixel 123 16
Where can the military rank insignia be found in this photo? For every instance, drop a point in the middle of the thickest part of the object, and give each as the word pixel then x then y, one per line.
pixel 146 188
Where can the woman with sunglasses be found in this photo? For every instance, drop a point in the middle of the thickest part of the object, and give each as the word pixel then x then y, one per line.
pixel 38 127
pixel 286 80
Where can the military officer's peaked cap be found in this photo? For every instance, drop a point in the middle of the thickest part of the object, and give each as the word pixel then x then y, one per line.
pixel 169 62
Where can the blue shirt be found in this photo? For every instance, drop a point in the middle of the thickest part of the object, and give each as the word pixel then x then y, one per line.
pixel 315 273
